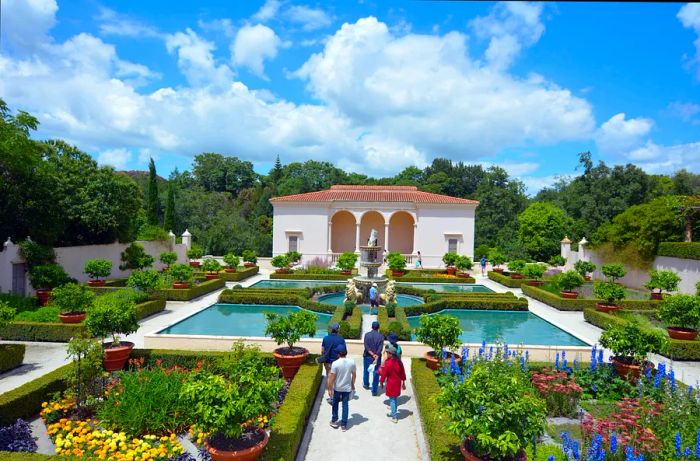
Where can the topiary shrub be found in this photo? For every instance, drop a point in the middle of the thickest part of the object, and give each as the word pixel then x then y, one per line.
pixel 584 267
pixel 72 298
pixel 48 276
pixel 347 261
pixel 97 268
pixel 168 258
pixel 134 257
pixel 146 281
pixel 231 260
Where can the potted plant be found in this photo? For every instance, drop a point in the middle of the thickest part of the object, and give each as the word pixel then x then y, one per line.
pixel 463 264
pixel 182 275
pixel 249 258
pixel 439 332
pixel 611 293
pixel 667 281
pixel 346 262
pixel 293 257
pixel 168 258
pixel 195 252
pixel 449 259
pixel 515 268
pixel 113 316
pixel 567 282
pixel 281 262
pixel 585 268
pixel 146 281
pixel 397 263
pixel 45 278
pixel 227 406
pixel 681 314
pixel 497 259
pixel 96 268
pixel 232 261
pixel 534 272
pixel 613 271
pixel 630 345
pixel 557 261
pixel 73 300
pixel 135 257
pixel 289 329
pixel 212 268
pixel 495 410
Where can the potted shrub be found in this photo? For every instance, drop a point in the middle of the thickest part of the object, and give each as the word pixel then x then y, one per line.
pixel 346 262
pixel 232 261
pixel 516 268
pixel 293 257
pixel 146 281
pixel 168 258
pixel 534 272
pixel 45 278
pixel 681 314
pixel 289 329
pixel 281 263
pixel 585 268
pixel 613 271
pixel 449 259
pixel 667 281
pixel 182 275
pixel 557 261
pixel 497 259
pixel 611 293
pixel 495 410
pixel 249 258
pixel 568 282
pixel 227 406
pixel 212 268
pixel 113 316
pixel 631 345
pixel 73 300
pixel 96 268
pixel 397 263
pixel 463 264
pixel 195 252
pixel 439 332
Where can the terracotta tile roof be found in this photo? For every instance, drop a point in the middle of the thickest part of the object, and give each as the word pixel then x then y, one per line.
pixel 348 193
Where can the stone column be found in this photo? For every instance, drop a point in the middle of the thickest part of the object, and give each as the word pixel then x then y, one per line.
pixel 330 235
pixel 357 237
pixel 171 237
pixel 582 255
pixel 566 250
pixel 415 238
pixel 187 239
pixel 386 236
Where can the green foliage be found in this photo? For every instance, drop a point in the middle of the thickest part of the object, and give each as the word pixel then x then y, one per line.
pixel 293 256
pixel 112 316
pixel 481 250
pixel 464 263
pixel 280 261
pixel 540 228
pixel 579 304
pixel 683 250
pixel 631 341
pixel 217 173
pixel 72 298
pixel 680 311
pixel 35 254
pixel 613 271
pixel 41 331
pixel 45 314
pixel 211 265
pixel 19 303
pixel 135 257
pixel 231 260
pixel 153 232
pixel 663 281
pixel 557 261
pixel 97 268
pixel 534 271
pixel 195 252
pixel 145 281
pixel 516 266
pixel 505 280
pixel 291 327
pixel 168 258
pixel 195 291
pixel 396 261
pixel 48 276
pixel 610 292
pixel 449 259
pixel 347 261
pixel 11 356
pixel 249 256
pixel 7 313
pixel 87 357
pixel 181 273
pixel 169 222
pixel 439 331
pixel 152 199
pixel 569 280
pixel 497 257
pixel 584 267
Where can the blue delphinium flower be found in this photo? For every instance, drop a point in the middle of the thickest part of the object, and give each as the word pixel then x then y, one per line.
pixel 550 458
pixel 522 363
pixel 527 356
pixel 575 364
pixel 506 352
pixel 678 442
pixel 465 354
pixel 672 380
pixel 444 370
pixel 690 390
pixel 629 455
pixel 574 450
pixel 444 354
pixel 565 442
pixel 647 372
pixel 600 356
pixel 660 375
pixel 613 444
pixel 556 361
pixel 697 445
pixel 490 352
pixel 481 352
pixel 686 452
pixel 594 388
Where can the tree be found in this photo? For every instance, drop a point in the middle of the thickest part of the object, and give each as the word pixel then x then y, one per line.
pixel 169 219
pixel 216 173
pixel 153 201
pixel 276 173
pixel 540 229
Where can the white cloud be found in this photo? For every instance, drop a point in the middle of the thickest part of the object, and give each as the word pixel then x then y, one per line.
pixel 689 16
pixel 253 45
pixel 196 59
pixel 267 11
pixel 117 158
pixel 30 23
pixel 656 158
pixel 112 23
pixel 309 18
pixel 620 135
pixel 684 110
pixel 534 184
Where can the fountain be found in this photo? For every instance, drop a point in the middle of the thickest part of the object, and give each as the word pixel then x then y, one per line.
pixel 370 262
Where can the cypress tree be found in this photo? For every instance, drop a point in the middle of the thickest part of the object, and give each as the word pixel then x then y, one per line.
pixel 169 220
pixel 152 200
pixel 276 173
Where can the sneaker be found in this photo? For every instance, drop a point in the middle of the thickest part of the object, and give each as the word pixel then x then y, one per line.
pixel 394 420
pixel 344 428
pixel 365 387
pixel 335 424
pixel 374 394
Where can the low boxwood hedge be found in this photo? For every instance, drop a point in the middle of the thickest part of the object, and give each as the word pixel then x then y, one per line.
pixel 172 294
pixel 355 323
pixel 241 273
pixel 683 250
pixel 149 308
pixel 562 304
pixel 42 331
pixel 275 276
pixel 238 296
pixel 432 279
pixel 11 356
pixel 501 303
pixel 505 280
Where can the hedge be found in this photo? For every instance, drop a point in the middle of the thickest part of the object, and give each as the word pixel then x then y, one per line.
pixel 275 276
pixel 418 279
pixel 683 250
pixel 442 445
pixel 562 304
pixel 172 294
pixel 510 303
pixel 351 327
pixel 241 273
pixel 149 308
pixel 506 280
pixel 262 296
pixel 42 331
pixel 20 303
pixel 11 356
pixel 337 317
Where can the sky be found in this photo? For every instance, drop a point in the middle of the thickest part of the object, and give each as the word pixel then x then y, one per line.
pixel 371 86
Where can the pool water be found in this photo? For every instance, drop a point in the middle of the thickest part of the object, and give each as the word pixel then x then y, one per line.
pixel 338 298
pixel 508 327
pixel 236 320
pixel 295 283
pixel 449 287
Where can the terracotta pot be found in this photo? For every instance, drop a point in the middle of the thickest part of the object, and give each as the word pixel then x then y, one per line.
pixel 116 357
pixel 568 294
pixel 195 264
pixel 289 363
pixel 587 278
pixel 397 273
pixel 249 454
pixel 230 270
pixel 96 283
pixel 657 295
pixel 281 271
pixel 498 269
pixel 432 362
pixel 516 276
pixel 606 308
pixel 469 456
pixel 451 270
pixel 685 334
pixel 249 264
pixel 464 275
pixel 180 285
pixel 212 276
pixel 73 317
pixel 345 272
pixel 535 283
pixel 627 371
pixel 43 296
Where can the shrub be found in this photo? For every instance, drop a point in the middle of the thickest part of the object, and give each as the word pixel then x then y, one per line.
pixel 663 281
pixel 557 261
pixel 291 327
pixel 631 341
pixel 35 254
pixel 168 258
pixel 516 266
pixel 152 232
pixel 112 316
pixel 464 263
pixel 129 295
pixel 7 313
pixel 211 265
pixel 181 273
pixel 231 260
pixel 280 261
pixel 134 257
pixel 47 276
pixel 449 259
pixel 194 291
pixel 11 356
pixel 347 261
pixel 19 303
pixel 682 250
pixel 569 280
pixel 195 252
pixel 610 292
pixel 249 256
pixel 294 256
pixel 481 250
pixel 17 438
pixel 534 271
pixel 72 298
pixel 496 257
pixel 613 271
pixel 146 281
pixel 45 314
pixel 439 331
pixel 397 262
pixel 680 311
pixel 584 267
pixel 97 268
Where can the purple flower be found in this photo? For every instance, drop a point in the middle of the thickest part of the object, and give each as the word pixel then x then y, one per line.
pixel 556 361
pixel 672 380
pixel 697 445
pixel 574 449
pixel 17 437
pixel 678 442
pixel 600 356
pixel 613 444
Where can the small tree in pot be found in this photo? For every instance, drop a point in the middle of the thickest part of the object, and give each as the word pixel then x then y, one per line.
pixel 667 281
pixel 568 282
pixel 73 300
pixel 463 264
pixel 449 259
pixel 232 261
pixel 146 281
pixel 497 259
pixel 96 268
pixel 249 258
pixel 440 332
pixel 346 262
pixel 45 278
pixel 195 252
pixel 534 273
pixel 397 263
pixel 212 267
pixel 681 314
pixel 182 275
pixel 168 258
pixel 585 268
pixel 610 291
pixel 289 329
pixel 557 261
pixel 281 263
pixel 113 316
pixel 293 257
pixel 516 268
pixel 631 345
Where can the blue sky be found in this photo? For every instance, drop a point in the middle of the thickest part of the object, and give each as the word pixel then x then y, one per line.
pixel 370 86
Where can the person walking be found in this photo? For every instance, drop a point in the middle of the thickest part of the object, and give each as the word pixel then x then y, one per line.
pixel 372 357
pixel 394 374
pixel 341 384
pixel 483 262
pixel 373 298
pixel 393 339
pixel 419 261
pixel 329 347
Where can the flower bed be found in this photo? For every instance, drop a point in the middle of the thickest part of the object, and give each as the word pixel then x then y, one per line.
pixel 11 356
pixel 563 304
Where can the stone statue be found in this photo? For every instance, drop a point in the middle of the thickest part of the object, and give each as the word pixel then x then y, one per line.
pixel 350 291
pixel 390 292
pixel 372 241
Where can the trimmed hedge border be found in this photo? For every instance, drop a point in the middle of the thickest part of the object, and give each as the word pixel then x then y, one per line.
pixel 171 294
pixel 275 276
pixel 505 280
pixel 581 304
pixel 241 273
pixel 11 356
pixel 682 250
pixel 510 303
pixel 243 296
pixel 407 278
pixel 355 323
pixel 149 308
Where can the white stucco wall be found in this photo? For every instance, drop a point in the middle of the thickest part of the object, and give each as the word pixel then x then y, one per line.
pixel 436 224
pixel 309 223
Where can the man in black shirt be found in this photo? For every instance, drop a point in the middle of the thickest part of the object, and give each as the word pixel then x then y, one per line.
pixel 374 343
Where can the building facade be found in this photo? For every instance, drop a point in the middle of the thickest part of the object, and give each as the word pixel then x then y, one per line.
pixel 322 225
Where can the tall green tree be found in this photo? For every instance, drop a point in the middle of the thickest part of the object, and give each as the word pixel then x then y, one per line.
pixel 217 173
pixel 541 226
pixel 152 199
pixel 169 218
pixel 276 173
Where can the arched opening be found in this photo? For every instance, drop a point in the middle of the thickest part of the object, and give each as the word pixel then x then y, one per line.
pixel 342 232
pixel 401 233
pixel 372 220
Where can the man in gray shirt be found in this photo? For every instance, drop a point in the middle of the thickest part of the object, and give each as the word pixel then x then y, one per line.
pixel 374 343
pixel 341 383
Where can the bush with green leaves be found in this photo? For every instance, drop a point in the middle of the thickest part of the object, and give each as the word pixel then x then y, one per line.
pixel 280 261
pixel 449 258
pixel 168 258
pixel 584 267
pixel 464 263
pixel 85 384
pixel 72 298
pixel 134 257
pixel 181 273
pixel 110 316
pixel 152 233
pixel 45 314
pixel 632 342
pixel 48 276
pixel 293 256
pixel 6 314
pixel 195 252
pixel 396 261
pixel 347 261
pixel 557 261
pixel 97 268
pixel 291 327
pixel 534 271
pixel 613 271
pixel 610 292
pixel 232 261
pixel 249 256
pixel 439 332
pixel 569 280
pixel 496 257
pixel 680 311
pixel 667 281
pixel 516 266
pixel 146 281
pixel 211 265
pixel 481 251
pixel 36 254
